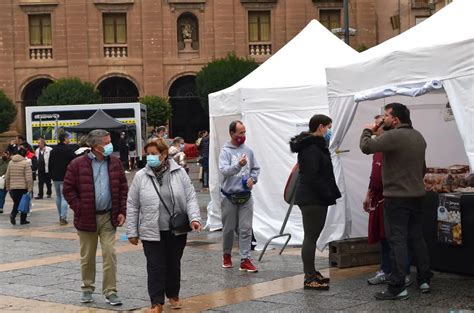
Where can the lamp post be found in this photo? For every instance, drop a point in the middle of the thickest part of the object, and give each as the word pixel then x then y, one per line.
pixel 346 21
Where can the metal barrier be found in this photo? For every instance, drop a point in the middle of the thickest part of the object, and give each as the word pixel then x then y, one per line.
pixel 281 234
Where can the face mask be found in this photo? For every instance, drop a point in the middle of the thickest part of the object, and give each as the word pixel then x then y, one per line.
pixel 108 149
pixel 328 134
pixel 240 139
pixel 153 160
pixel 165 136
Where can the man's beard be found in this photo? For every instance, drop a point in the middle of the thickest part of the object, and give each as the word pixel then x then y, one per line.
pixel 386 127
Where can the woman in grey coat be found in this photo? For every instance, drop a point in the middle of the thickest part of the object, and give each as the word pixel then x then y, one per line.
pixel 149 220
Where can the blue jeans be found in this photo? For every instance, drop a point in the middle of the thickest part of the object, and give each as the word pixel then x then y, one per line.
pixel 61 203
pixel 3 194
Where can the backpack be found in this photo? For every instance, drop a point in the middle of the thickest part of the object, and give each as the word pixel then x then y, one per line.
pixel 291 183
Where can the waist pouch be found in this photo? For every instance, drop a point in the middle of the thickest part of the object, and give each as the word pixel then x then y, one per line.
pixel 238 198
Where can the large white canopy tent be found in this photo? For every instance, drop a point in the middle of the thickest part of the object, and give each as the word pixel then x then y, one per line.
pixel 437 53
pixel 275 102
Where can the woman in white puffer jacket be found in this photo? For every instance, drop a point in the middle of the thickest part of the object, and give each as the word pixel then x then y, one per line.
pixel 148 219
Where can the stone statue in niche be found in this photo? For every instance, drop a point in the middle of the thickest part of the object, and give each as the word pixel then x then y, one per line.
pixel 187 30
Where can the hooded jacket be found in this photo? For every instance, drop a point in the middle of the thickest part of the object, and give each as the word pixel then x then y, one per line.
pixel 230 168
pixel 19 174
pixel 317 184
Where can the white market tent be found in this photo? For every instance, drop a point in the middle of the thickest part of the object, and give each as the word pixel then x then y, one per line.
pixel 276 102
pixel 436 54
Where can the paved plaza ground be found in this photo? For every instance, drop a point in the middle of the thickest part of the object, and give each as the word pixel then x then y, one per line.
pixel 39 272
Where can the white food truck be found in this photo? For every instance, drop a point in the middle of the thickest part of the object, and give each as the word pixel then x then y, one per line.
pixel 46 121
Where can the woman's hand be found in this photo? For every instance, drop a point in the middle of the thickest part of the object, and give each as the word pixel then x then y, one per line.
pixel 133 241
pixel 196 226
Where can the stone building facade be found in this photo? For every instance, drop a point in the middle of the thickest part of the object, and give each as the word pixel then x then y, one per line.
pixel 131 48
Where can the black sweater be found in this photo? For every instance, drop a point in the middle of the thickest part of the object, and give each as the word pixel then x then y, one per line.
pixel 317 184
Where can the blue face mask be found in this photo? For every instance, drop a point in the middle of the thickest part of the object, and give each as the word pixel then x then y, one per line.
pixel 108 149
pixel 165 136
pixel 181 146
pixel 153 160
pixel 328 134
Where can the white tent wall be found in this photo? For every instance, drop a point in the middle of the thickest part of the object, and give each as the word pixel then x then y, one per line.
pixel 289 87
pixel 444 146
pixel 269 130
pixel 460 92
pixel 218 135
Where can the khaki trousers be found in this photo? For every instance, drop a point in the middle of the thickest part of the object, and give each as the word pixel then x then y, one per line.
pixel 88 242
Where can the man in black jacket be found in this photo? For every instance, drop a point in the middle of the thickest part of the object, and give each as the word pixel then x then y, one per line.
pixel 59 159
pixel 403 189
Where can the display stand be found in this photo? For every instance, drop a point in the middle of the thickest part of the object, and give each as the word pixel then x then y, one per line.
pixel 281 234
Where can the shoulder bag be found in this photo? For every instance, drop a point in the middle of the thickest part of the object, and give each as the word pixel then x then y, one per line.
pixel 179 222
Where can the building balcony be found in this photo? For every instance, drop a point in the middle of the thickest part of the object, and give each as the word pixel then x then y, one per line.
pixel 116 51
pixel 259 50
pixel 420 4
pixel 41 53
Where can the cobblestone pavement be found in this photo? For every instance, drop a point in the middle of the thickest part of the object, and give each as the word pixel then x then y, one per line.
pixel 39 272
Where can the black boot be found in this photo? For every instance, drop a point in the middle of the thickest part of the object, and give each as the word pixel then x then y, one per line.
pixel 23 220
pixel 13 219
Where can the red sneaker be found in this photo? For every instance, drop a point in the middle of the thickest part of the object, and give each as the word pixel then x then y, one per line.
pixel 246 265
pixel 227 261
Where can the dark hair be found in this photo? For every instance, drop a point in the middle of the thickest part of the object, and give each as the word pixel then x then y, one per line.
pixel 233 126
pixel 22 151
pixel 318 119
pixel 400 111
pixel 62 137
pixel 21 137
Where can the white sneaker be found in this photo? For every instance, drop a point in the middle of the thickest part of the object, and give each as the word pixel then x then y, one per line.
pixel 379 278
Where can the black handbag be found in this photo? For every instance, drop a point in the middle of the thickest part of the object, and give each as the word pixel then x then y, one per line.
pixel 179 222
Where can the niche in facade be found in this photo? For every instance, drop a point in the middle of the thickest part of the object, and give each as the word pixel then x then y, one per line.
pixel 188 34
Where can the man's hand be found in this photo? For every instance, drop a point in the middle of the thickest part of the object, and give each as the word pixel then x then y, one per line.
pixel 196 226
pixel 133 241
pixel 243 161
pixel 250 183
pixel 120 219
pixel 373 127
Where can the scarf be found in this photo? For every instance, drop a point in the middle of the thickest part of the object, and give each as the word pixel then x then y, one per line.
pixel 160 171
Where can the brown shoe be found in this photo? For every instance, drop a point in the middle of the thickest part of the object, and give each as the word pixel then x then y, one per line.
pixel 156 308
pixel 175 303
pixel 62 222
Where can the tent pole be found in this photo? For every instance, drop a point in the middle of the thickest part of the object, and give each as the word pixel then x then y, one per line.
pixel 346 21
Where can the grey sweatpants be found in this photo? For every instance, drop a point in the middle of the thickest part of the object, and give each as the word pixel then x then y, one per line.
pixel 237 218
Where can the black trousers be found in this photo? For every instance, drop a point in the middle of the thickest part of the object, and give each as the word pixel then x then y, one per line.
pixel 403 227
pixel 163 265
pixel 44 178
pixel 314 217
pixel 16 195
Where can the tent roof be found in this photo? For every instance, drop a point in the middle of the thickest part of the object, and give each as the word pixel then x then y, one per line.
pixel 301 62
pixel 438 48
pixel 99 120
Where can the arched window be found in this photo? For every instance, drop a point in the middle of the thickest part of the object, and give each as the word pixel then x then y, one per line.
pixel 188 32
pixel 118 89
